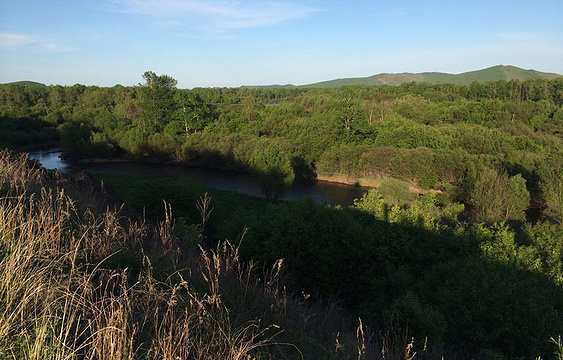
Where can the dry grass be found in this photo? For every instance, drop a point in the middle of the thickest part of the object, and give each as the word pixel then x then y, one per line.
pixel 59 300
pixel 77 281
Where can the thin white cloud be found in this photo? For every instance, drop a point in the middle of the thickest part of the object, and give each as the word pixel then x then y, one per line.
pixel 518 36
pixel 397 12
pixel 29 42
pixel 222 14
pixel 9 40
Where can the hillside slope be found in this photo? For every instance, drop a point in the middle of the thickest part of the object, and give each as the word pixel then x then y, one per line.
pixel 26 83
pixel 495 73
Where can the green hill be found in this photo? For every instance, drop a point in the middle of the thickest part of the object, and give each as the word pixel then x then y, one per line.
pixel 26 83
pixel 495 73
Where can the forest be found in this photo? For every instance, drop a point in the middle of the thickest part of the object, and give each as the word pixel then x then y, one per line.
pixel 457 251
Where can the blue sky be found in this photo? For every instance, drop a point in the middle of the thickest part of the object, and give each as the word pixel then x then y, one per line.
pixel 215 43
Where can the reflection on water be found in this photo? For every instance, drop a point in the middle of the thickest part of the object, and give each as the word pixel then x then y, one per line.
pixel 50 159
pixel 320 191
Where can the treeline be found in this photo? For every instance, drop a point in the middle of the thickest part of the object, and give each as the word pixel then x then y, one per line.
pixel 444 137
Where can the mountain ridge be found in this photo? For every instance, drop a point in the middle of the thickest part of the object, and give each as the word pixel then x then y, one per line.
pixel 25 83
pixel 494 73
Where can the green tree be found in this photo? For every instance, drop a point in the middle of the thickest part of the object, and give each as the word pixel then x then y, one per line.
pixel 194 113
pixel 350 114
pixel 550 173
pixel 377 161
pixel 272 168
pixel 75 138
pixel 249 108
pixel 497 197
pixel 157 101
pixel 396 192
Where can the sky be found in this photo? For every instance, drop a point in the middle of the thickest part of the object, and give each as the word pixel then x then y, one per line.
pixel 230 43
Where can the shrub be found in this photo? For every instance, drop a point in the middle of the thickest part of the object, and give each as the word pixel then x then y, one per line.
pixel 396 192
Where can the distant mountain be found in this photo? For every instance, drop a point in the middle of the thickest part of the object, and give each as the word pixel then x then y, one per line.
pixel 25 83
pixel 495 73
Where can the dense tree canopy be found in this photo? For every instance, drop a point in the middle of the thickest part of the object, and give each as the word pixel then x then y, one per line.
pixel 435 136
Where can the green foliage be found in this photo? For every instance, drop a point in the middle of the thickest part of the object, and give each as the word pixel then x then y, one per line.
pixel 373 203
pixel 101 146
pixel 163 146
pixel 498 197
pixel 350 115
pixel 157 101
pixel 20 132
pixel 75 138
pixel 419 263
pixel 194 113
pixel 435 136
pixel 415 166
pixel 550 172
pixel 543 250
pixel 249 108
pixel 340 160
pixel 133 141
pixel 272 168
pixel 407 315
pixel 396 192
pixel 377 161
pixel 472 288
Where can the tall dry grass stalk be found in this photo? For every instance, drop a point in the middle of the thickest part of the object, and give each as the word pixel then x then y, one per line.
pixel 183 325
pixel 18 171
pixel 50 305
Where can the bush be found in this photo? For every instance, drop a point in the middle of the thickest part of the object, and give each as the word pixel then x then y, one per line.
pixel 396 192
pixel 377 161
pixel 498 197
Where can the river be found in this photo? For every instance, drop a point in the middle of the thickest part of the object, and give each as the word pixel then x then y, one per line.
pixel 320 191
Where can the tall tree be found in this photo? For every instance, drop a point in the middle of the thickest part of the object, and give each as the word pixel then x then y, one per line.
pixel 249 108
pixel 157 101
pixel 350 113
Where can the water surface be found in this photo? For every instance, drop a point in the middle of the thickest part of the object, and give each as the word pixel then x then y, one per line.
pixel 320 191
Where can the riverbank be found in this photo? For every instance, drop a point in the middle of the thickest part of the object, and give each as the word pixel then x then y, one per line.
pixel 213 177
pixel 369 182
pixel 351 180
pixel 362 183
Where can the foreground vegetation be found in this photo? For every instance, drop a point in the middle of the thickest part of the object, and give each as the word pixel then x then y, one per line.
pixel 410 269
pixel 83 277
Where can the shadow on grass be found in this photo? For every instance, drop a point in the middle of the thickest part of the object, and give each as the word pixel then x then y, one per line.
pixel 471 290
